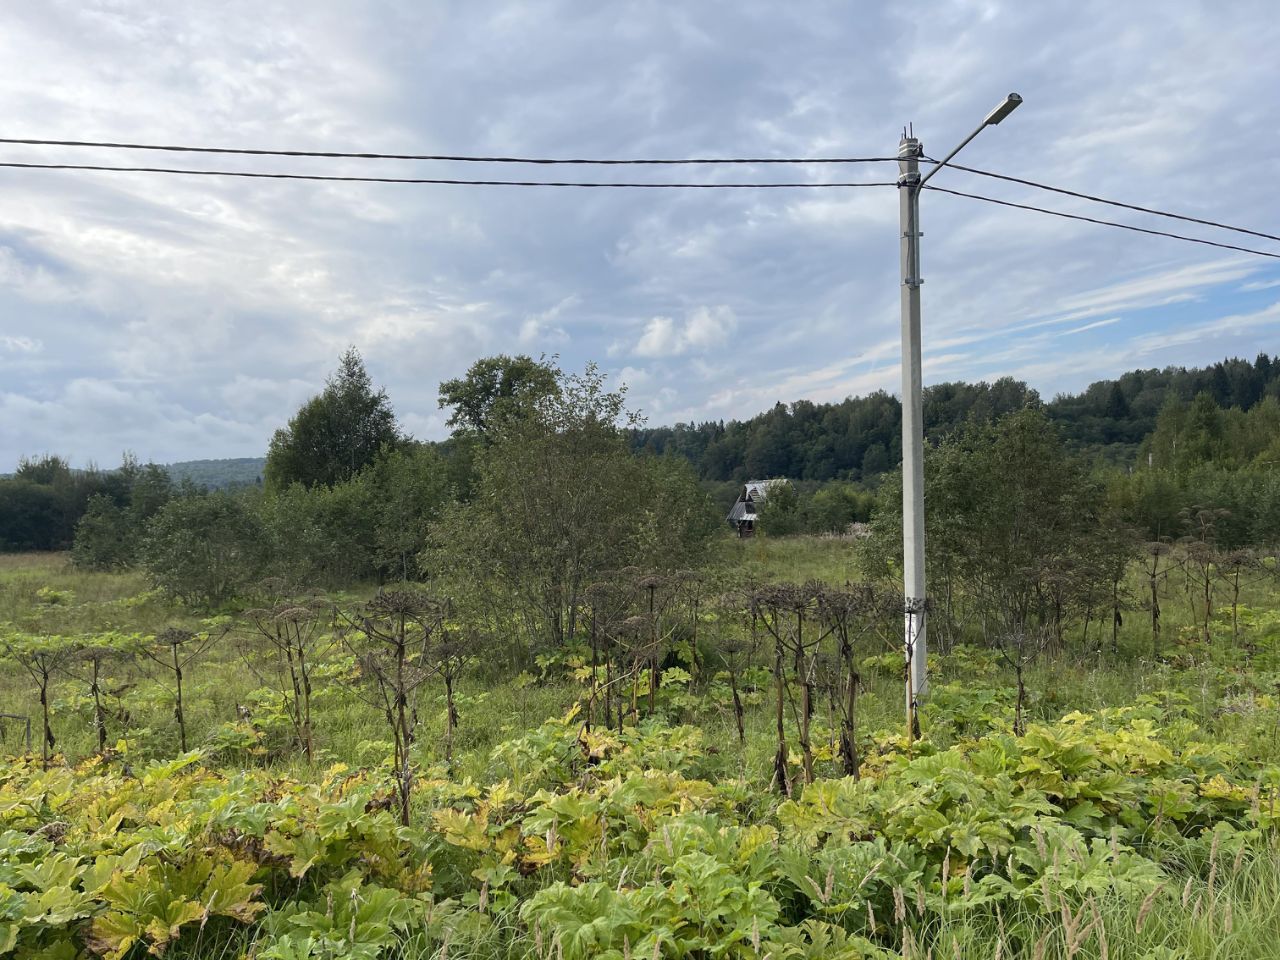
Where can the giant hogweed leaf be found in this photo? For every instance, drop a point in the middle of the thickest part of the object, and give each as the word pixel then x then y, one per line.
pixel 152 904
pixel 62 947
pixel 303 851
pixel 57 907
pixel 114 933
pixel 463 830
pixel 591 920
pixel 57 870
pixel 357 919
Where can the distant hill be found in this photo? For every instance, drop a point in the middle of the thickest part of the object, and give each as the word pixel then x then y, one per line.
pixel 219 474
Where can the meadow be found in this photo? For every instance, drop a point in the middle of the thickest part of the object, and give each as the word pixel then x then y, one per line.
pixel 1130 811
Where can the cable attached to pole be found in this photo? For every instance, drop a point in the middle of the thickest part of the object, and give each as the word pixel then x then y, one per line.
pixel 257 175
pixel 1103 223
pixel 1114 203
pixel 452 158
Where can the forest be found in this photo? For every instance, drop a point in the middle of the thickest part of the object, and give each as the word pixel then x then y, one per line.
pixel 524 694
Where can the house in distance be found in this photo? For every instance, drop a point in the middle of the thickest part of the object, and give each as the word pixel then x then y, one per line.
pixel 754 493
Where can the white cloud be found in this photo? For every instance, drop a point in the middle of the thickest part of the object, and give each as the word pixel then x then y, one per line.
pixel 702 329
pixel 542 328
pixel 20 344
pixel 1260 285
pixel 1090 326
pixel 217 304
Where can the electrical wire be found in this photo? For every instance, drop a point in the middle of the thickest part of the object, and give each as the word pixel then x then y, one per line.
pixel 469 183
pixel 1113 203
pixel 460 158
pixel 332 154
pixel 335 178
pixel 1104 223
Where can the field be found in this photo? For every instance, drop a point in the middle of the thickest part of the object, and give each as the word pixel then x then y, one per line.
pixel 1133 815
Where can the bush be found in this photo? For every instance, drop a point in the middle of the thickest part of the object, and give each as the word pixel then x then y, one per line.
pixel 204 549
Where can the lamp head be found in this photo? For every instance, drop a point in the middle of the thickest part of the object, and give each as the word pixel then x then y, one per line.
pixel 1002 110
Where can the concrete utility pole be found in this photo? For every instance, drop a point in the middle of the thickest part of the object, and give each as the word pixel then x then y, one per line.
pixel 913 587
pixel 916 607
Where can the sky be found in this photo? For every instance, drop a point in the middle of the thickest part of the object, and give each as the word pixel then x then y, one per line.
pixel 185 318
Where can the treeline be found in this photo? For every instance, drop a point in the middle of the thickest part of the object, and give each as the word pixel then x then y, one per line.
pixel 860 438
pixel 45 499
pixel 1203 456
pixel 219 474
pixel 1027 538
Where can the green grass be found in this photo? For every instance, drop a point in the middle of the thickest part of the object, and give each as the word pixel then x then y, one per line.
pixel 1236 916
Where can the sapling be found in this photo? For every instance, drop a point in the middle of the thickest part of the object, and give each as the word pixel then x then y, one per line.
pixel 1157 563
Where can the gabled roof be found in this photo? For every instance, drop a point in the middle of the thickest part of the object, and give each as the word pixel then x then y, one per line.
pixel 759 489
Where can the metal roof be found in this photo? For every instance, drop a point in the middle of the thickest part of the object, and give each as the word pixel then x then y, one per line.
pixel 760 488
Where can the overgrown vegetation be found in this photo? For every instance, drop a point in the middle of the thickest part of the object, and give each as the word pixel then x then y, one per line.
pixel 307 721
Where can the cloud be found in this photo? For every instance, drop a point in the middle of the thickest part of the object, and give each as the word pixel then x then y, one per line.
pixel 542 328
pixel 702 329
pixel 201 311
pixel 1260 285
pixel 20 344
pixel 1090 326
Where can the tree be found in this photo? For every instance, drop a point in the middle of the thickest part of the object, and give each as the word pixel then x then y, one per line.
pixel 1011 526
pixel 411 487
pixel 558 501
pixel 30 516
pixel 779 514
pixel 495 390
pixel 109 533
pixel 105 539
pixel 203 549
pixel 336 434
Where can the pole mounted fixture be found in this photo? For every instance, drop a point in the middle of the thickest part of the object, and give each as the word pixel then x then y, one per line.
pixel 1000 111
pixel 916 605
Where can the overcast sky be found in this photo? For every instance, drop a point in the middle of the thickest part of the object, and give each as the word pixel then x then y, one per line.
pixel 185 318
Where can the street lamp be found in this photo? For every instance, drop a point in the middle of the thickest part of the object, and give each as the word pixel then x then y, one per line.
pixel 915 606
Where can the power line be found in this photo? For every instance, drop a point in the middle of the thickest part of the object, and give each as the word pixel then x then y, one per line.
pixel 615 185
pixel 1104 223
pixel 456 158
pixel 436 180
pixel 461 158
pixel 1113 203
